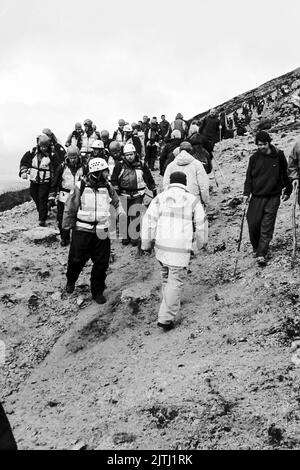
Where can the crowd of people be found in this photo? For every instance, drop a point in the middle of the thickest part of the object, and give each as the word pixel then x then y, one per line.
pixel 99 185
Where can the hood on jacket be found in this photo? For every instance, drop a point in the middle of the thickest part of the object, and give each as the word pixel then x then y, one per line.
pixel 184 158
pixel 174 196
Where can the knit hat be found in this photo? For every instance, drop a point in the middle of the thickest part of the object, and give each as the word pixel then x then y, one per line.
pixel 262 136
pixel 178 177
pixel 186 146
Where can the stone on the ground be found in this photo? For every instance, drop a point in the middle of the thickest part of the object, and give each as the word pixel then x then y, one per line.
pixel 139 291
pixel 42 234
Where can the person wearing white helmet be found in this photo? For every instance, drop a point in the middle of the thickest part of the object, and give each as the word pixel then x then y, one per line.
pixel 130 138
pixel 40 165
pixel 130 179
pixel 87 213
pixel 66 176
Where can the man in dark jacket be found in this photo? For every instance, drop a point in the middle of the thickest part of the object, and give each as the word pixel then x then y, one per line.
pixel 209 129
pixel 164 126
pixel 57 148
pixel 40 164
pixel 65 178
pixel 166 155
pixel 7 440
pixel 266 181
pixel 199 152
pixel 152 138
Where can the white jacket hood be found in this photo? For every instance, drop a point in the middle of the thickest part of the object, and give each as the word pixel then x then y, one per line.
pixel 184 158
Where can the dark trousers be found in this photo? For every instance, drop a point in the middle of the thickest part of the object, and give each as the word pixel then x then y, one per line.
pixel 40 193
pixel 261 217
pixel 132 228
pixel 7 440
pixel 85 246
pixel 151 154
pixel 65 234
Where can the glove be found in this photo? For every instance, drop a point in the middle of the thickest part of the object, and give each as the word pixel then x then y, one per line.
pixel 24 175
pixel 154 192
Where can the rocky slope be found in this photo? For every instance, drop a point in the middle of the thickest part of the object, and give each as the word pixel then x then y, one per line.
pixel 80 375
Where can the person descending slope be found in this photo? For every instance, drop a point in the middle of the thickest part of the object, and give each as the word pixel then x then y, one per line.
pixel 75 138
pixel 40 163
pixel 130 178
pixel 87 212
pixel 66 176
pixel 169 221
pixel 88 137
pixel 266 180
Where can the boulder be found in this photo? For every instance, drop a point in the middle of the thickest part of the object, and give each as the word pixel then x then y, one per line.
pixel 41 235
pixel 139 291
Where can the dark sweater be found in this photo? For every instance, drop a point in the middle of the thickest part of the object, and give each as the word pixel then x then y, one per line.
pixel 267 174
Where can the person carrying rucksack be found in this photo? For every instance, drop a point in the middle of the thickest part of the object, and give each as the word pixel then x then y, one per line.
pixel 65 178
pixel 40 165
pixel 87 213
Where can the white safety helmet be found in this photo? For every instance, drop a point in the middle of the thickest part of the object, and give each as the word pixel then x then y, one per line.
pixel 97 144
pixel 97 164
pixel 129 148
pixel 127 128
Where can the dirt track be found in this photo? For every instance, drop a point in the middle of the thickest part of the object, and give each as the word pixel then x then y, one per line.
pixel 107 376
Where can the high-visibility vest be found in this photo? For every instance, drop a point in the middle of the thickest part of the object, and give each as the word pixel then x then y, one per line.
pixel 87 142
pixel 68 182
pixel 94 211
pixel 131 182
pixel 40 169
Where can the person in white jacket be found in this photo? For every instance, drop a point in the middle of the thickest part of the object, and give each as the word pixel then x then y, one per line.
pixel 170 221
pixel 197 178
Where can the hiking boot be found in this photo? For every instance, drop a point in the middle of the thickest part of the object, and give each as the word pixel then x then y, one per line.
pixel 261 261
pixel 70 287
pixel 99 298
pixel 42 223
pixel 125 241
pixel 135 242
pixel 64 242
pixel 166 326
pixel 254 254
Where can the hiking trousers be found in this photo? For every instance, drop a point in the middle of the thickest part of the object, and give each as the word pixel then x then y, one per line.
pixel 39 193
pixel 65 234
pixel 172 286
pixel 133 207
pixel 151 155
pixel 85 246
pixel 261 217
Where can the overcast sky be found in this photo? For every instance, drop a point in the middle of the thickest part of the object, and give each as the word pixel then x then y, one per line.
pixel 63 61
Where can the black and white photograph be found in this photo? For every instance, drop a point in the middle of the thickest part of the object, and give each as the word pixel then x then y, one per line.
pixel 149 228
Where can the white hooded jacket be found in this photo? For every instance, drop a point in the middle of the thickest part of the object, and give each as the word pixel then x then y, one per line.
pixel 197 178
pixel 169 221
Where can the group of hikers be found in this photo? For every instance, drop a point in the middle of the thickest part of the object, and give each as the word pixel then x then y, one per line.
pixel 99 185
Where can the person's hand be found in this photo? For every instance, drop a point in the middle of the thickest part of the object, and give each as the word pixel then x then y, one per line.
pixel 24 175
pixel 51 202
pixel 295 185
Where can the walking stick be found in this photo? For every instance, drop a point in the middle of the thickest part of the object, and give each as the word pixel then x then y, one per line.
pixel 294 228
pixel 221 173
pixel 240 238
